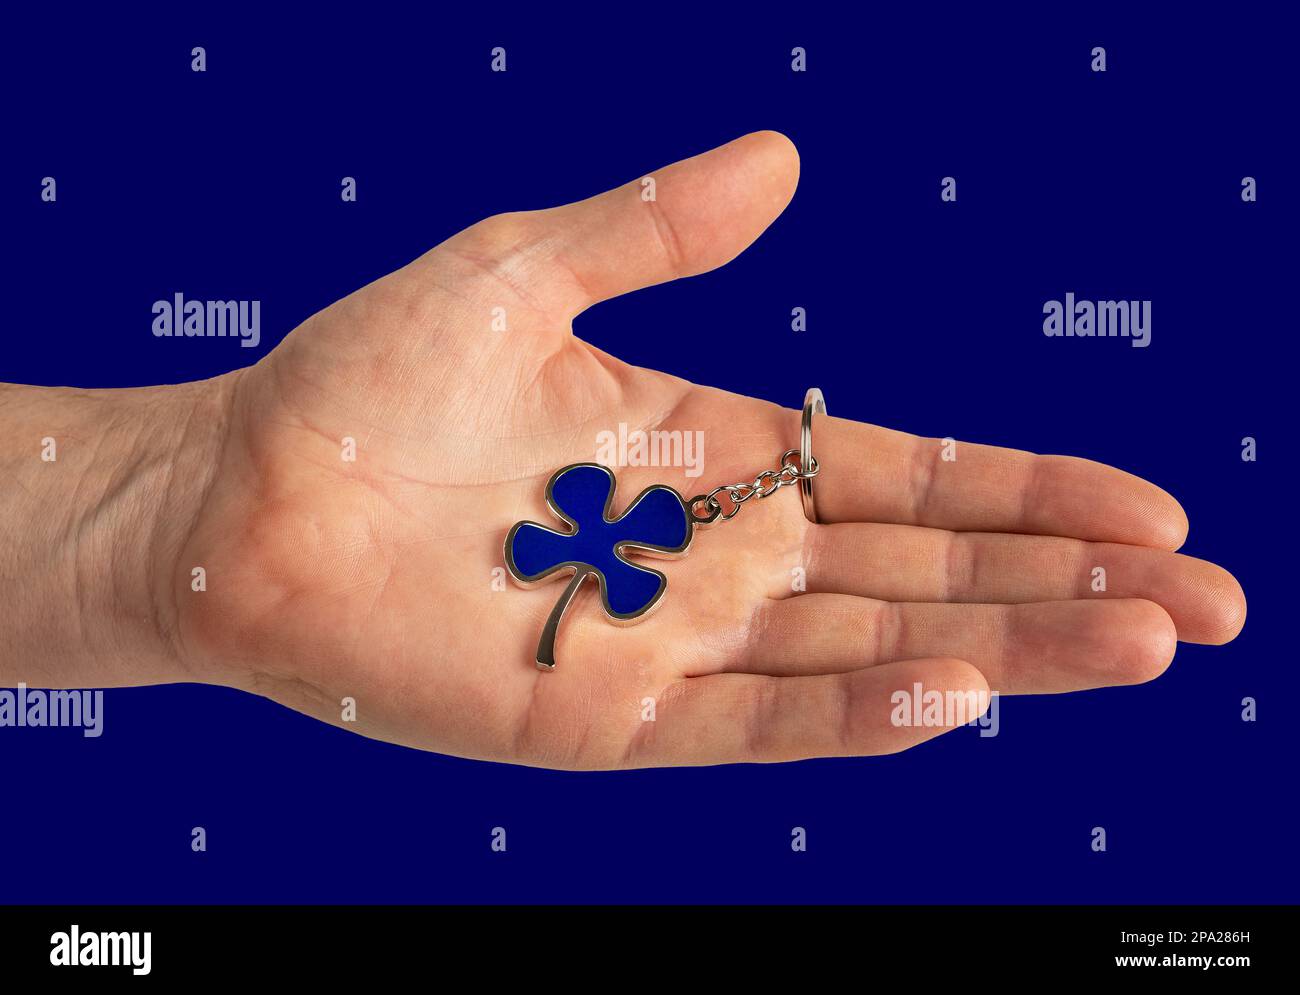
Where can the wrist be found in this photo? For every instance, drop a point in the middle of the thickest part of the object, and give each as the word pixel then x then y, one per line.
pixel 104 487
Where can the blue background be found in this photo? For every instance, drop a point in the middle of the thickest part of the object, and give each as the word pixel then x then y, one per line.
pixel 922 316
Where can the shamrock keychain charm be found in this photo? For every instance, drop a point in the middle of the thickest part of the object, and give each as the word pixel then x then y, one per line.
pixel 660 522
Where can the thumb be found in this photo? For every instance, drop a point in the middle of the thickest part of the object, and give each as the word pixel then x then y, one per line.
pixel 684 219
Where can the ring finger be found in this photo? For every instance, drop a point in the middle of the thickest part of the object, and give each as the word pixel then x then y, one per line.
pixel 1038 648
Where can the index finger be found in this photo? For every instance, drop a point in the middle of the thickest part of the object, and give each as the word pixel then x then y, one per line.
pixel 874 474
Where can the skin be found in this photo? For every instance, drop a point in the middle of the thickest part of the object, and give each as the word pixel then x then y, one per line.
pixel 372 579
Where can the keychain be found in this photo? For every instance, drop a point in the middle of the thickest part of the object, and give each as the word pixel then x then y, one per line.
pixel 660 522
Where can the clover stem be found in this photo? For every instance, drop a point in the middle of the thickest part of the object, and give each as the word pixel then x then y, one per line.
pixel 546 646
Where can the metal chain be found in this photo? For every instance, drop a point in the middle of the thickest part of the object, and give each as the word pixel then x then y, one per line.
pixel 764 485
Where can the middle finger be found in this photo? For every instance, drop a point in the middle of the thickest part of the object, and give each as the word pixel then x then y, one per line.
pixel 911 563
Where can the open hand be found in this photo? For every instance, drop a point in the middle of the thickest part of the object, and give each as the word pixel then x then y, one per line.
pixel 377 578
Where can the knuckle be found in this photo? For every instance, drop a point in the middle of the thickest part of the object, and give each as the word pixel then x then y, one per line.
pixel 761 721
pixel 501 233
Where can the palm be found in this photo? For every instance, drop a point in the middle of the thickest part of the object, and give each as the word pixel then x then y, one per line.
pixel 378 578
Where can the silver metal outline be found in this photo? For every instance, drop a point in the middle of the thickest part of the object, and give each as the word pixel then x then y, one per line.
pixel 813 404
pixel 570 567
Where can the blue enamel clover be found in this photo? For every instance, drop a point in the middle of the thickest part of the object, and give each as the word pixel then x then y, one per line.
pixel 659 522
pixel 596 545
